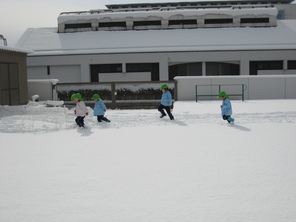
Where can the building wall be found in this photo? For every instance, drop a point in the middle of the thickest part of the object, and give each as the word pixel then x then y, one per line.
pixel 76 68
pixel 18 60
pixel 64 73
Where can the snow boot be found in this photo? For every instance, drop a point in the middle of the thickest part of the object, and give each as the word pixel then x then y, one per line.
pixel 230 119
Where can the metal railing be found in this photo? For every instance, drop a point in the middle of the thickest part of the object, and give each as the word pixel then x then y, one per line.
pixel 230 89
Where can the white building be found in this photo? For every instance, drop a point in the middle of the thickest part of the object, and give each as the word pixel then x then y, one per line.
pixel 156 42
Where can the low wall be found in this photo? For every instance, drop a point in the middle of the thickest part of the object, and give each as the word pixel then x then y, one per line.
pixel 42 87
pixel 257 87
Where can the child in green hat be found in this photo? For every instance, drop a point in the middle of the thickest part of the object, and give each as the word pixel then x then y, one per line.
pixel 226 109
pixel 100 108
pixel 80 109
pixel 166 102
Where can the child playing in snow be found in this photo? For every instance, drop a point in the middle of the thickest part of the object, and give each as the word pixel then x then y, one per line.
pixel 80 109
pixel 226 109
pixel 100 108
pixel 166 102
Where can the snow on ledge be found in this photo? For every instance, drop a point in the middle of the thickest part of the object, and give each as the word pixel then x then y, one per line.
pixel 52 81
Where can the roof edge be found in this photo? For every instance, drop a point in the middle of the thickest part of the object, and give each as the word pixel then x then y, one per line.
pixel 12 49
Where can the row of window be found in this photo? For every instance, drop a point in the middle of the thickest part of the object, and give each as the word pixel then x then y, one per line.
pixel 190 69
pixel 130 67
pixel 171 22
pixel 195 4
pixel 153 68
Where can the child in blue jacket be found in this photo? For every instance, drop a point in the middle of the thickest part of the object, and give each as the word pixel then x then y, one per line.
pixel 100 108
pixel 166 102
pixel 226 109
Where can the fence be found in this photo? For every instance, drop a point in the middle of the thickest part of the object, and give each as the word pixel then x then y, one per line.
pixel 232 90
pixel 142 94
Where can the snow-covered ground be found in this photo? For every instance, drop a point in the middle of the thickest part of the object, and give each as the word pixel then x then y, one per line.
pixel 140 168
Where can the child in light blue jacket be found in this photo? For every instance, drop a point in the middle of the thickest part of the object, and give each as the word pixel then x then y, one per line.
pixel 226 109
pixel 166 102
pixel 100 108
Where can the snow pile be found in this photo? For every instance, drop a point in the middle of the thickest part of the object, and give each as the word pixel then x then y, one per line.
pixel 142 168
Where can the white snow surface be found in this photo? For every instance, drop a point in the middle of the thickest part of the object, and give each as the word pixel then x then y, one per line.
pixel 143 168
pixel 46 41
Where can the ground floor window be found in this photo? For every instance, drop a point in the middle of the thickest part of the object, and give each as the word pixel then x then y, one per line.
pixel 185 69
pixel 222 69
pixel 265 65
pixel 211 69
pixel 292 64
pixel 132 72
pixel 103 68
pixel 153 68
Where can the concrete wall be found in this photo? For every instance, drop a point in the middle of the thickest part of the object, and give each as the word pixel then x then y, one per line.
pixel 256 87
pixel 64 73
pixel 43 88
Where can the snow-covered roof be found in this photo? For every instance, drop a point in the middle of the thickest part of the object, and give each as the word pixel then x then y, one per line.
pixel 146 13
pixel 6 48
pixel 46 41
pixel 141 2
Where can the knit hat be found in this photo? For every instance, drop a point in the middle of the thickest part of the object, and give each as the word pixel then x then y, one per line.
pixel 164 86
pixel 222 94
pixel 96 96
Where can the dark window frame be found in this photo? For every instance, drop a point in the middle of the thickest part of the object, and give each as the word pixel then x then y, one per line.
pixel 219 21
pixel 138 67
pixel 153 68
pixel 254 20
pixel 77 25
pixel 222 69
pixel 147 23
pixel 111 24
pixel 265 65
pixel 183 22
pixel 291 64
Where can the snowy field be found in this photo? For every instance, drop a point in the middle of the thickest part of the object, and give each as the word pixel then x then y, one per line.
pixel 140 168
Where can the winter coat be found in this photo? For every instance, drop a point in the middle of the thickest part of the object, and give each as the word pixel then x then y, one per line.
pixel 80 109
pixel 166 99
pixel 226 107
pixel 100 108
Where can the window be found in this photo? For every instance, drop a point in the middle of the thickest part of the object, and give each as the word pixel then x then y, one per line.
pixel 185 69
pixel 153 68
pixel 147 23
pixel 255 20
pixel 218 21
pixel 138 67
pixel 77 25
pixel 264 65
pixel 281 14
pixel 292 64
pixel 222 69
pixel 112 24
pixel 103 68
pixel 183 22
pixel 109 68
